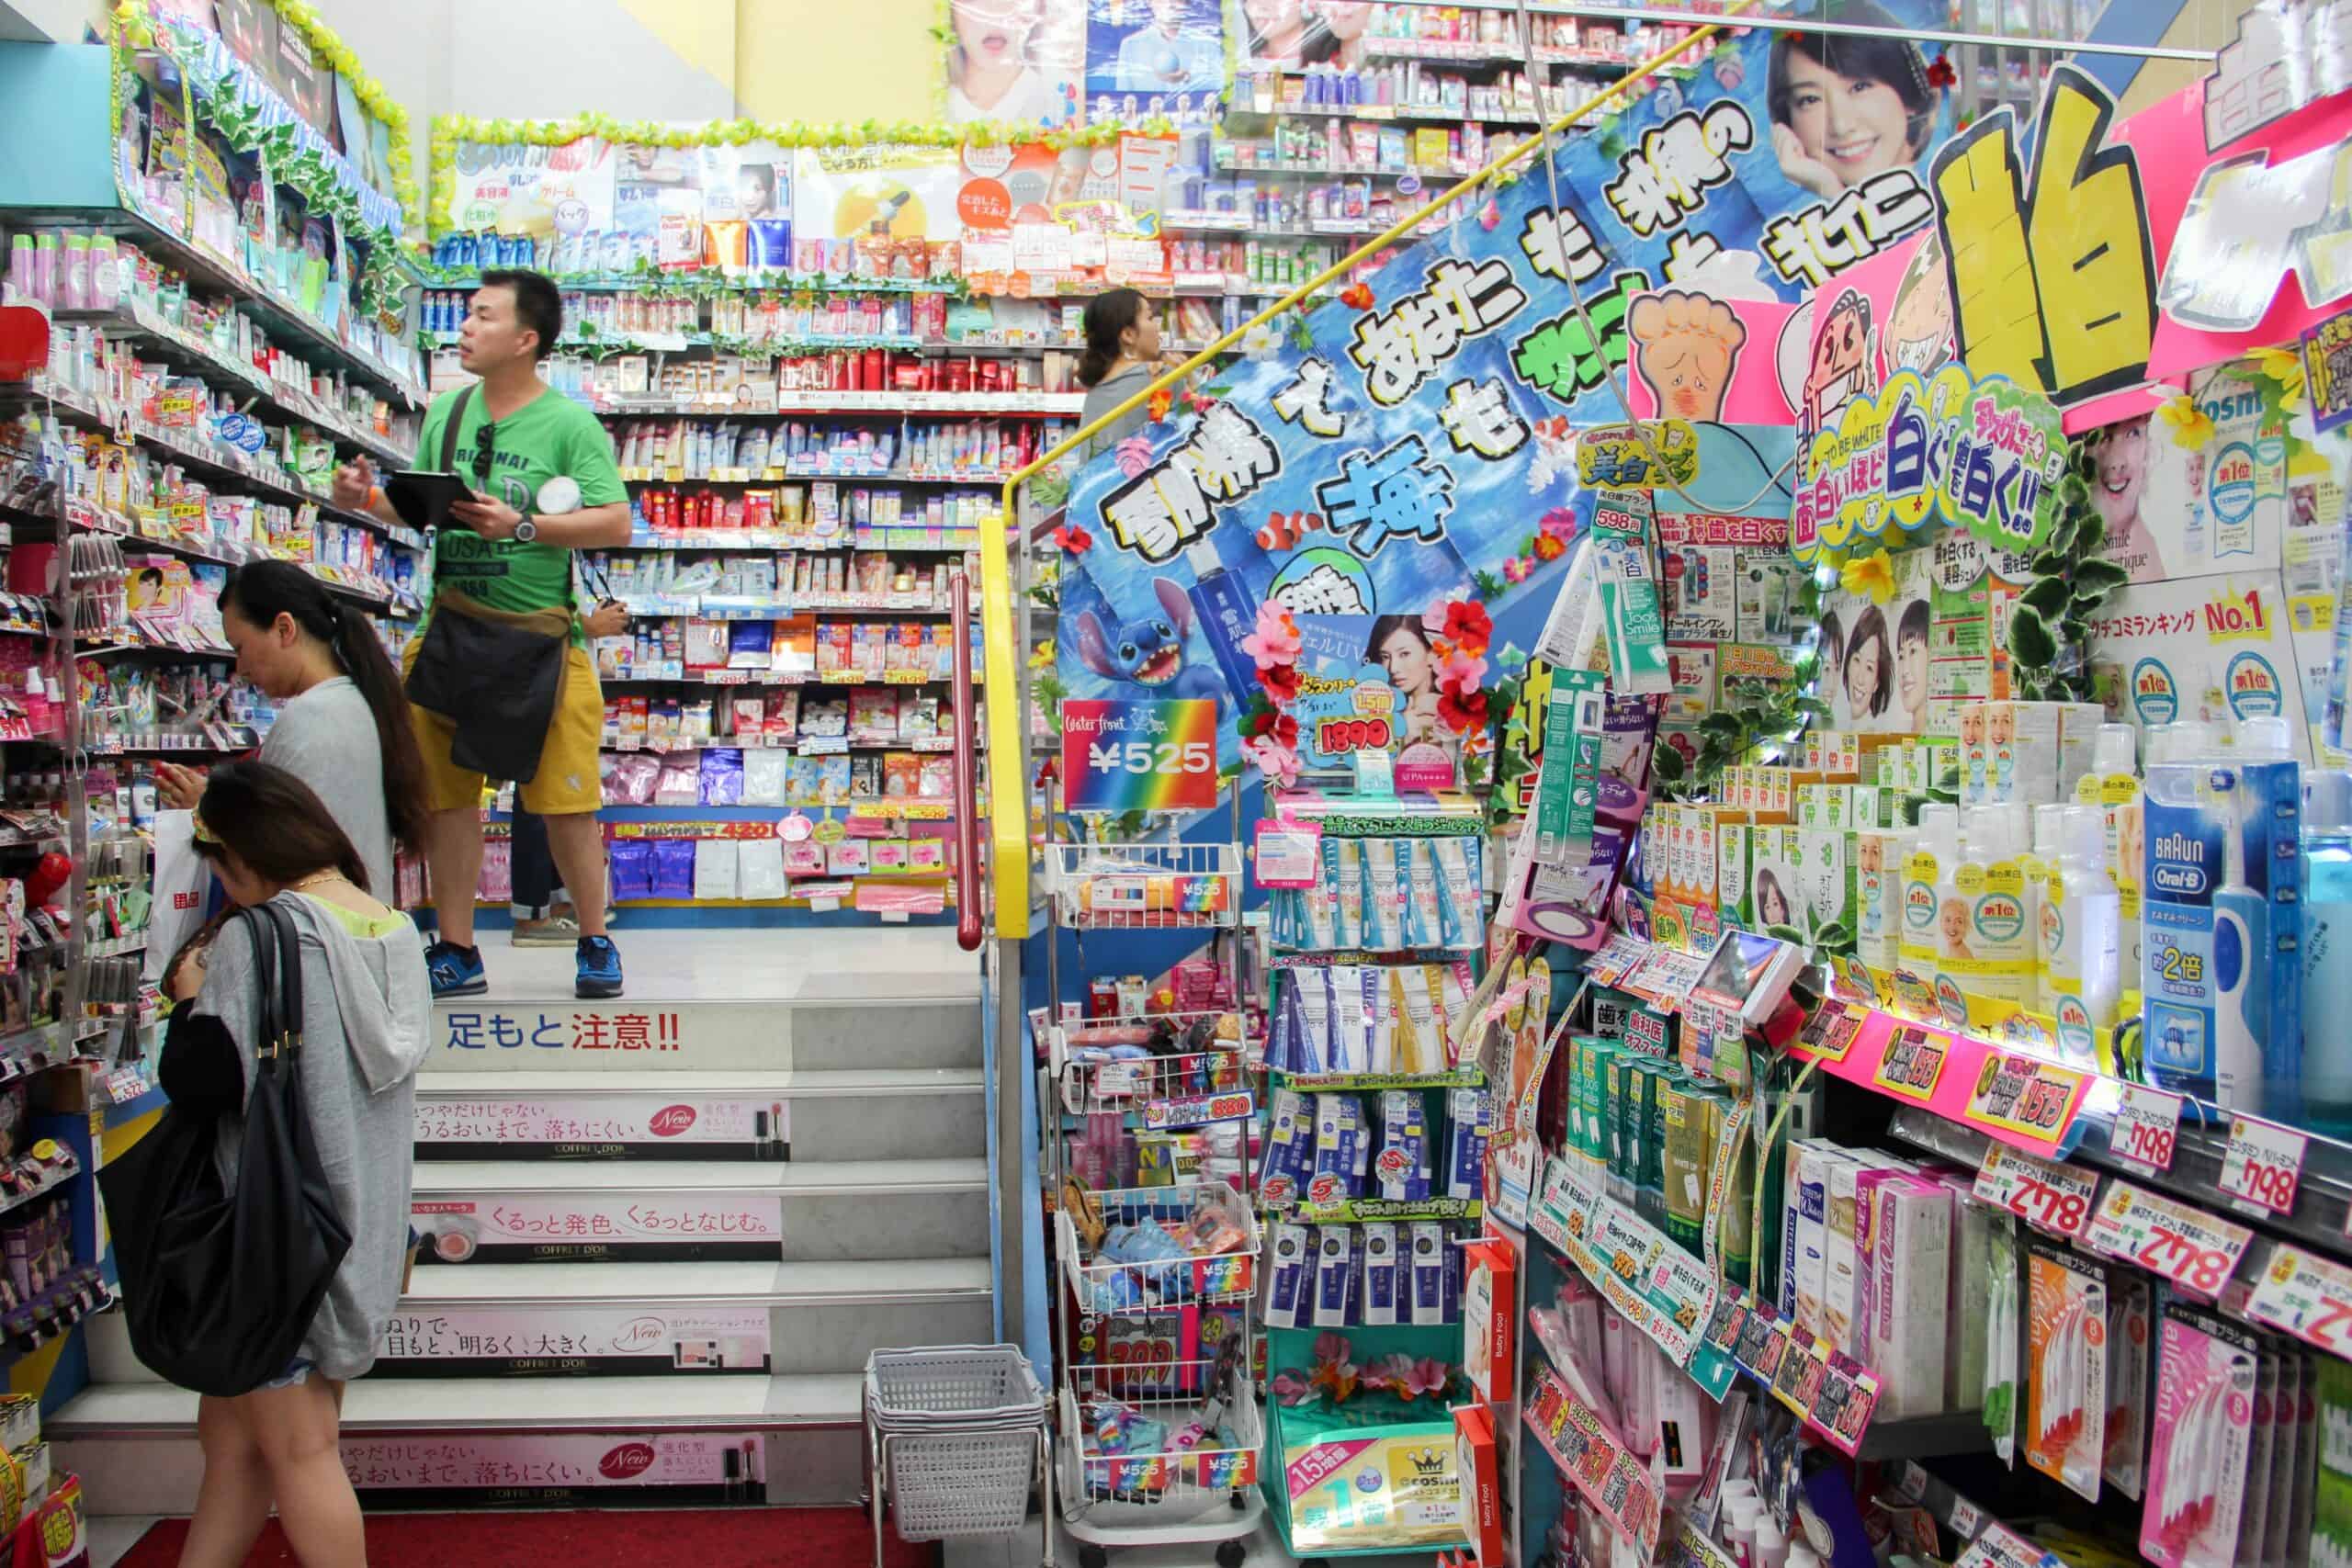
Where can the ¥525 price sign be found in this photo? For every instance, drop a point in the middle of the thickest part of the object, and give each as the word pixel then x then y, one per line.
pixel 1138 756
pixel 2194 1250
pixel 2047 1195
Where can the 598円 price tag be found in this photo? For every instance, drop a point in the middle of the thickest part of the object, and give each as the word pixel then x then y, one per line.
pixel 2194 1250
pixel 2046 1194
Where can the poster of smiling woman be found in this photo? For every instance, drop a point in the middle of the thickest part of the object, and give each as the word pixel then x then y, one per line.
pixel 1014 63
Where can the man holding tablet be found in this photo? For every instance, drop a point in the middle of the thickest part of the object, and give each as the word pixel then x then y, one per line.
pixel 498 676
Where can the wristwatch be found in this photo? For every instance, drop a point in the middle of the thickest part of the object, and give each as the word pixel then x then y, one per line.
pixel 526 531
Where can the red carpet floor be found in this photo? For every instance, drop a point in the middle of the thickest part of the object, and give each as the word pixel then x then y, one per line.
pixel 708 1538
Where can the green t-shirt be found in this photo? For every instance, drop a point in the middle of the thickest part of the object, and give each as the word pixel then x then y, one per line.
pixel 550 437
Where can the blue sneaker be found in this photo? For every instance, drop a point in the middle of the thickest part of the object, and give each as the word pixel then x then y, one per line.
pixel 456 971
pixel 600 969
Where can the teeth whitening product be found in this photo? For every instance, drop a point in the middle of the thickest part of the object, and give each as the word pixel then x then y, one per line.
pixel 2081 936
pixel 1990 880
pixel 1286 1286
pixel 1380 1270
pixel 1927 883
pixel 2327 952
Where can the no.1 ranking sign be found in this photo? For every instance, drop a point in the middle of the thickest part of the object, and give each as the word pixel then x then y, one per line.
pixel 1138 756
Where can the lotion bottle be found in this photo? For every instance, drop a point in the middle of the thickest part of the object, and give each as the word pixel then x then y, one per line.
pixel 1926 877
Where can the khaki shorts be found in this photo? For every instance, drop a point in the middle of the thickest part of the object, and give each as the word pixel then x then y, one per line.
pixel 568 782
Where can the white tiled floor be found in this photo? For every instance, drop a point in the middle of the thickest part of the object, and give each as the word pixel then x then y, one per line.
pixel 789 965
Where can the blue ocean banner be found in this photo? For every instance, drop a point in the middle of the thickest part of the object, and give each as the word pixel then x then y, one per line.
pixel 1414 449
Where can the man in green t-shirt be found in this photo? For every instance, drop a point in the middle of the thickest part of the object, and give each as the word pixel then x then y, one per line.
pixel 544 484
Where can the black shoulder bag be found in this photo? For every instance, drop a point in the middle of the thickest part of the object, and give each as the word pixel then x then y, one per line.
pixel 219 1286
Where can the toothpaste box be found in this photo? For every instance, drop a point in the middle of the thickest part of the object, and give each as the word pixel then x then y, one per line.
pixel 1430 1254
pixel 1335 1274
pixel 1804 1247
pixel 1911 1241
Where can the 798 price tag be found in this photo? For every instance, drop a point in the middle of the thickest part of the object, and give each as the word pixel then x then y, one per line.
pixel 2147 1125
pixel 2047 1195
pixel 2189 1247
pixel 2264 1164
pixel 2308 1297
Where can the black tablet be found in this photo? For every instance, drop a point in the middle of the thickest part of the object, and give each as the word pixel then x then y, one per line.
pixel 423 497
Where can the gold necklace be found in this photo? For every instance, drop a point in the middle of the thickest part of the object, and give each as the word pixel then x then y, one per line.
pixel 313 880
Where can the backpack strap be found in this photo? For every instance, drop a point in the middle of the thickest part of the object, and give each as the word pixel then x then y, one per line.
pixel 282 1017
pixel 449 430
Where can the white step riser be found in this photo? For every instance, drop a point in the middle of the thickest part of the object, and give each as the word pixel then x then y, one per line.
pixel 474 1035
pixel 802 1337
pixel 948 1125
pixel 143 1475
pixel 835 1228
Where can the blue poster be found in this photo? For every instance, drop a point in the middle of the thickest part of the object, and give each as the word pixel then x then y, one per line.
pixel 1146 58
pixel 1406 454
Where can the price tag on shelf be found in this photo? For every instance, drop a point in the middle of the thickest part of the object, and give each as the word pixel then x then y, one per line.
pixel 125 1085
pixel 2263 1166
pixel 2147 1125
pixel 2306 1296
pixel 2048 1195
pixel 1998 1547
pixel 1915 1480
pixel 2194 1250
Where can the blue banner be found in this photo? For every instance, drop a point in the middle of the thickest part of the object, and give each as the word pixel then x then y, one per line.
pixel 1413 447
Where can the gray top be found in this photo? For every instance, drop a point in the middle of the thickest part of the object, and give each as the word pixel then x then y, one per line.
pixel 366 1009
pixel 1108 394
pixel 327 739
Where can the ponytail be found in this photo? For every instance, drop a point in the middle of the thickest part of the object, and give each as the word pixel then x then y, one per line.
pixel 1108 316
pixel 263 590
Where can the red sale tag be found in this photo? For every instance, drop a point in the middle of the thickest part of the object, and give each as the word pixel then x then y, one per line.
pixel 2049 1196
pixel 2264 1164
pixel 2147 1125
pixel 2194 1250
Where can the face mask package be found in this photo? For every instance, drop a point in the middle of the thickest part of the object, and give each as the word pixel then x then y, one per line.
pixel 715 869
pixel 673 868
pixel 759 869
pixel 2206 1380
pixel 632 870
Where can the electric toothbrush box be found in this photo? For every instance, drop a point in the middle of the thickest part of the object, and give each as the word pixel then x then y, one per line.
pixel 2220 971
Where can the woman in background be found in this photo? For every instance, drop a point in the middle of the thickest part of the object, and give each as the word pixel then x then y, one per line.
pixel 1122 358
pixel 367 1013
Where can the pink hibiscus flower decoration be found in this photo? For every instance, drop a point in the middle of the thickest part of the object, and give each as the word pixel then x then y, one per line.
pixel 1558 523
pixel 1292 1389
pixel 1519 568
pixel 1462 670
pixel 1134 455
pixel 1275 640
pixel 1275 760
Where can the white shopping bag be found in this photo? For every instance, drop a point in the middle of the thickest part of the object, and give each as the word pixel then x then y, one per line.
pixel 183 886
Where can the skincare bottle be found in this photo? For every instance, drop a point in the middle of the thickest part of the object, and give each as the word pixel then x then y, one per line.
pixel 1927 875
pixel 2327 952
pixel 2037 865
pixel 1995 945
pixel 2081 936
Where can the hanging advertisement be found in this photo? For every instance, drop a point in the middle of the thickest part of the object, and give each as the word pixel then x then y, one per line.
pixel 1154 59
pixel 2173 510
pixel 549 1338
pixel 492 1470
pixel 1148 756
pixel 538 191
pixel 1413 452
pixel 1014 63
pixel 884 189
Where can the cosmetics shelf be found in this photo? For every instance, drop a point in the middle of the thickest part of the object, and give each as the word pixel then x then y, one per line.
pixel 706 284
pixel 769 678
pixel 775 540
pixel 809 746
pixel 1954 1512
pixel 28 1326
pixel 1009 405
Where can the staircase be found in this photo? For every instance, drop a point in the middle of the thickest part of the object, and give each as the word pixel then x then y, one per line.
pixel 665 1231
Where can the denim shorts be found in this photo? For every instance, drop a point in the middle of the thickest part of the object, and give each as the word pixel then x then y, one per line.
pixel 297 1371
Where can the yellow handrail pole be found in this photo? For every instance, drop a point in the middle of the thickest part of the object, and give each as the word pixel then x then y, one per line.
pixel 1008 808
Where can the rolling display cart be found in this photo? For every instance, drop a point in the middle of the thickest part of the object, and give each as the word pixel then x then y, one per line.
pixel 1157 1339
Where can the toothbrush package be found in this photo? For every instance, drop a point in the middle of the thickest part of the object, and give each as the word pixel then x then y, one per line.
pixel 2066 1398
pixel 1386 895
pixel 2206 1377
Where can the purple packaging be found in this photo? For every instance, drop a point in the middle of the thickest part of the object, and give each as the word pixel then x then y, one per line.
pixel 1380 1270
pixel 1339 1152
pixel 1289 1159
pixel 673 868
pixel 1335 1272
pixel 1286 1280
pixel 1401 1169
pixel 1429 1271
pixel 632 869
pixel 1465 1161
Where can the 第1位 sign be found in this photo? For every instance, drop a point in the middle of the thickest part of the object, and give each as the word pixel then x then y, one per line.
pixel 492 1470
pixel 542 1339
pixel 593 1227
pixel 604 1126
pixel 1138 756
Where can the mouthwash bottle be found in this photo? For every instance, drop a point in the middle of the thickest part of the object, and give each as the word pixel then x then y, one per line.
pixel 2327 952
pixel 1928 875
pixel 2081 935
pixel 1992 882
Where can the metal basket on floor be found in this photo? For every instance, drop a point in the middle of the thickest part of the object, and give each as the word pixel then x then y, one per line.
pixel 956 1436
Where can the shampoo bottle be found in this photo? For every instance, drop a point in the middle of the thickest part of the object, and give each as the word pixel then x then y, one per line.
pixel 2081 936
pixel 2327 952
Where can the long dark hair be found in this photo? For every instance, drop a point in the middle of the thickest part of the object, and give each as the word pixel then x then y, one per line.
pixel 261 591
pixel 1872 626
pixel 1894 60
pixel 274 824
pixel 1387 627
pixel 1108 314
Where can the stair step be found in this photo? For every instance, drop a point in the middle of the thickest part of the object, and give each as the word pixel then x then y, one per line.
pixel 748 1401
pixel 679 1284
pixel 719 1029
pixel 847 1083
pixel 823 1177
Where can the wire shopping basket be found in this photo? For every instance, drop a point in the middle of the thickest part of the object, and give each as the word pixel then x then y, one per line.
pixel 956 1434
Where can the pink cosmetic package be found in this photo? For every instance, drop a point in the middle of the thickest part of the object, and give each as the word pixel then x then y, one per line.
pixel 2206 1372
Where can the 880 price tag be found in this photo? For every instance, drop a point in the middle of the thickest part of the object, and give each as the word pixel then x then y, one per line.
pixel 2264 1164
pixel 2047 1195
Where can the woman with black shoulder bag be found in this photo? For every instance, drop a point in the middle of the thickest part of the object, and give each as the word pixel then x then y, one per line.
pixel 290 1063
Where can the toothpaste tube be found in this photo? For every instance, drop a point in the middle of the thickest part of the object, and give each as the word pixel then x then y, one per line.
pixel 1380 1270
pixel 1287 1281
pixel 1420 1044
pixel 1335 1271
pixel 1344 871
pixel 1340 1155
pixel 1289 1160
pixel 1472 1117
pixel 1384 904
pixel 1461 903
pixel 1401 1170
pixel 1312 989
pixel 1429 1271
pixel 1424 922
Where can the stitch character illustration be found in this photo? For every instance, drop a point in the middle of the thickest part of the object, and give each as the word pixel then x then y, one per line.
pixel 1150 650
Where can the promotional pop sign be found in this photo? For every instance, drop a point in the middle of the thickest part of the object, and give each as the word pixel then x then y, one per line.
pixel 553 1338
pixel 1138 756
pixel 498 1471
pixel 600 1228
pixel 604 1126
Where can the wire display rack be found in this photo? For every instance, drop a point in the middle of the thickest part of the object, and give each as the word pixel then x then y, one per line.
pixel 1176 1070
pixel 1146 886
pixel 1201 1479
pixel 1118 1289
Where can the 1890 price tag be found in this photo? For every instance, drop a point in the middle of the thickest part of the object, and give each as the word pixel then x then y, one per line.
pixel 2264 1164
pixel 2189 1247
pixel 2147 1124
pixel 2308 1297
pixel 2048 1195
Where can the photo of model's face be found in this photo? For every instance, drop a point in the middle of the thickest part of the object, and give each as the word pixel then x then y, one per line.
pixel 1911 673
pixel 1861 676
pixel 1951 923
pixel 1772 903
pixel 994 32
pixel 1406 659
pixel 2121 474
pixel 1972 725
pixel 1854 125
pixel 2001 724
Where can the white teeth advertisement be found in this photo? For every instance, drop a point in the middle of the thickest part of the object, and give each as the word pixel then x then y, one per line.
pixel 602 1126
pixel 600 1228
pixel 613 1469
pixel 542 1340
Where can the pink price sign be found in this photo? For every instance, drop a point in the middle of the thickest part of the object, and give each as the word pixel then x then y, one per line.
pixel 2019 1101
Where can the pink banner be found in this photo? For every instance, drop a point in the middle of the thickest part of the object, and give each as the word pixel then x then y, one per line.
pixel 2021 1099
pixel 1698 357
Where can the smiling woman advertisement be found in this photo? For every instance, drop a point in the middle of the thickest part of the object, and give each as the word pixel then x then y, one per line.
pixel 1013 61
pixel 1400 646
pixel 1306 32
pixel 1847 107
pixel 2118 485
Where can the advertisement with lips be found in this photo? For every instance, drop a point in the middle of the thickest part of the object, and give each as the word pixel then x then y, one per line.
pixel 605 1469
